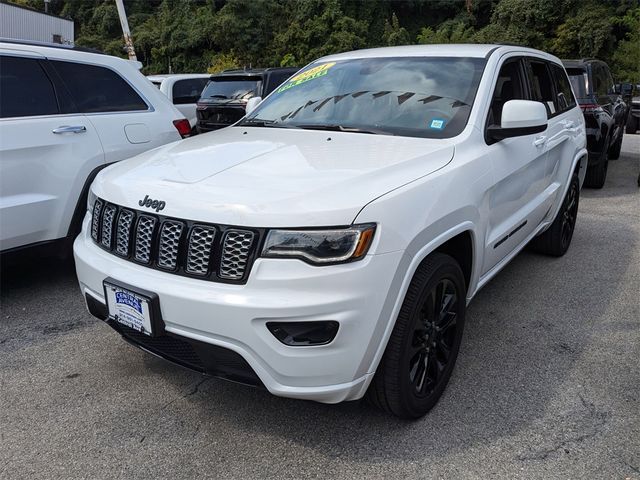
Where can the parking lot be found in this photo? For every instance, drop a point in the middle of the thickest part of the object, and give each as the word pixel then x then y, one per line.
pixel 547 384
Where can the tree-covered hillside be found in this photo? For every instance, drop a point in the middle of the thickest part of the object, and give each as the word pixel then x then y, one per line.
pixel 196 35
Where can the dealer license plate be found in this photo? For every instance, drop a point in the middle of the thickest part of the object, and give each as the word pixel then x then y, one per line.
pixel 128 308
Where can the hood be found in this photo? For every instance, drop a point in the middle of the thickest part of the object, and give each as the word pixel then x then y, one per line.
pixel 271 177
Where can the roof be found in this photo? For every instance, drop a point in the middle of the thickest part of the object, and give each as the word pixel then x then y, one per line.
pixel 578 63
pixel 65 53
pixel 33 43
pixel 444 50
pixel 440 50
pixel 162 76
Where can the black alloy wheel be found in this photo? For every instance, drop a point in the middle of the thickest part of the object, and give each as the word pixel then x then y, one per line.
pixel 434 335
pixel 556 239
pixel 422 350
pixel 569 215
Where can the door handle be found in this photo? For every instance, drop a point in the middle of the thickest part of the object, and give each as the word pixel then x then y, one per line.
pixel 540 141
pixel 568 124
pixel 70 129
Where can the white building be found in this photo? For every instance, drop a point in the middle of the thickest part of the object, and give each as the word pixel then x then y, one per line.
pixel 23 23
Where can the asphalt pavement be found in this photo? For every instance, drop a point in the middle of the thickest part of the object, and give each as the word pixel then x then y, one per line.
pixel 547 384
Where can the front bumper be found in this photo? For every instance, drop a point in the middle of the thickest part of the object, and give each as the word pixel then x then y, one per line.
pixel 234 317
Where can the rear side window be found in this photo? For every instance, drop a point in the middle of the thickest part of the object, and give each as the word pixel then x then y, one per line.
pixel 25 89
pixel 542 86
pixel 579 81
pixel 275 80
pixel 564 96
pixel 188 91
pixel 98 89
pixel 603 83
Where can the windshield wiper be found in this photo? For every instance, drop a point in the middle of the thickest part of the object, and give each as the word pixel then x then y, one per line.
pixel 340 128
pixel 260 122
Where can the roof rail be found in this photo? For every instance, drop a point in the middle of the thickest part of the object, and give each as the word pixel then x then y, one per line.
pixel 35 43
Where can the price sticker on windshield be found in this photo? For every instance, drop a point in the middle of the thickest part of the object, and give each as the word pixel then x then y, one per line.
pixel 311 74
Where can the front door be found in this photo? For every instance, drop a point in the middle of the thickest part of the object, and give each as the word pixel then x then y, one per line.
pixel 520 170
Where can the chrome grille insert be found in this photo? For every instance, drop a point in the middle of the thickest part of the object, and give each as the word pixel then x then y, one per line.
pixel 95 220
pixel 123 232
pixel 199 253
pixel 108 217
pixel 170 235
pixel 144 235
pixel 235 254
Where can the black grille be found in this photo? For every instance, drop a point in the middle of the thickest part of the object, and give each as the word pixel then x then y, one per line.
pixel 167 346
pixel 193 354
pixel 220 253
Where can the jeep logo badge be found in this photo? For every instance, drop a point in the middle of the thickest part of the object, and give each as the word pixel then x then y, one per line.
pixel 157 205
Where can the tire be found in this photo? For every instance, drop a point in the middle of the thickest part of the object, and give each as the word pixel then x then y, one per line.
pixel 413 373
pixel 614 151
pixel 596 175
pixel 632 124
pixel 556 239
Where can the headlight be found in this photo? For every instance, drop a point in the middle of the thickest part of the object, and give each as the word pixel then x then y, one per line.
pixel 320 247
pixel 91 199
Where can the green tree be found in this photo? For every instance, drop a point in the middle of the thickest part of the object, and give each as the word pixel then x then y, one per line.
pixel 394 34
pixel 525 22
pixel 451 31
pixel 626 59
pixel 586 34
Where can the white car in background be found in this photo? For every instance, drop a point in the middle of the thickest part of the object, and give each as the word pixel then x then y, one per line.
pixel 183 89
pixel 64 115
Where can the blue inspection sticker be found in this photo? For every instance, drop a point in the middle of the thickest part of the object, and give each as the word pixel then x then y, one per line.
pixel 437 124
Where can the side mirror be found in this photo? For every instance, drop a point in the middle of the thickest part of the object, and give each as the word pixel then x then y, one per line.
pixel 252 103
pixel 617 88
pixel 519 117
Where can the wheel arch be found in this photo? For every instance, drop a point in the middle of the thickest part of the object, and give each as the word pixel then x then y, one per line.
pixel 463 235
pixel 580 165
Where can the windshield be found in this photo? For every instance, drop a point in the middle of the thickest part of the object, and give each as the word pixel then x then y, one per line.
pixel 231 89
pixel 412 96
pixel 579 81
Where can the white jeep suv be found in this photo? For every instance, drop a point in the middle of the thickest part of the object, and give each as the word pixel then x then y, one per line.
pixel 327 245
pixel 65 114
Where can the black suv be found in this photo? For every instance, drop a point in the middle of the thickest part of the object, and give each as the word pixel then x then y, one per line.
pixel 225 97
pixel 605 114
pixel 633 119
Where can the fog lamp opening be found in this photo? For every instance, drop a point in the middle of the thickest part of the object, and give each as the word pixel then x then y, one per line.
pixel 301 334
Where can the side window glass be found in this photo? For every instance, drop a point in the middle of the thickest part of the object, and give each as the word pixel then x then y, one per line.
pixel 542 86
pixel 597 80
pixel 25 89
pixel 601 80
pixel 564 96
pixel 275 80
pixel 98 89
pixel 509 86
pixel 188 91
pixel 611 84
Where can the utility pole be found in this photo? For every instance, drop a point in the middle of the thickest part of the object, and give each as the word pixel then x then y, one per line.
pixel 128 41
